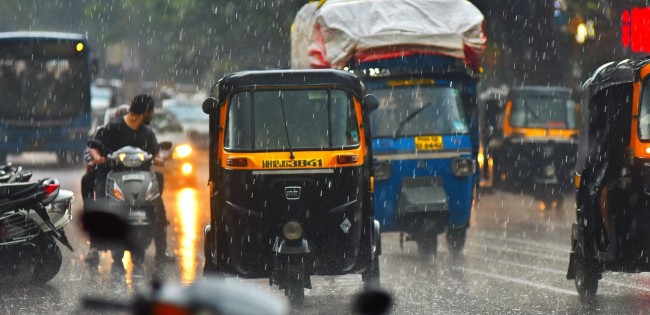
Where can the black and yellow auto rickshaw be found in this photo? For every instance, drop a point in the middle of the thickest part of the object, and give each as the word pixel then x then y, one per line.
pixel 536 148
pixel 612 176
pixel 291 178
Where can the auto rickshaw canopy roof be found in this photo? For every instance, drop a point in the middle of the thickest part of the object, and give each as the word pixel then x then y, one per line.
pixel 605 126
pixel 265 79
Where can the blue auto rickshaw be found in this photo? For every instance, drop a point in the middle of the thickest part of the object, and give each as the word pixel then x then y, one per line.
pixel 425 143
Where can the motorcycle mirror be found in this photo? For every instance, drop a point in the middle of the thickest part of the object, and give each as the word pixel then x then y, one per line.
pixel 165 145
pixel 210 105
pixel 103 221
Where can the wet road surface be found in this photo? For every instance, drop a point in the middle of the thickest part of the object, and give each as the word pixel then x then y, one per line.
pixel 514 262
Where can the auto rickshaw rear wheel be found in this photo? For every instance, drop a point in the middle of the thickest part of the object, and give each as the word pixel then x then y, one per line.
pixel 295 282
pixel 137 255
pixel 456 239
pixel 586 276
pixel 209 251
pixel 370 277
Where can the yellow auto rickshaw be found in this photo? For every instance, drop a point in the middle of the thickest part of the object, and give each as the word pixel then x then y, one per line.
pixel 291 181
pixel 612 176
pixel 535 150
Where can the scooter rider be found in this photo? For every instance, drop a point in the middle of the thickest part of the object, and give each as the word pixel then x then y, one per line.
pixel 88 179
pixel 132 130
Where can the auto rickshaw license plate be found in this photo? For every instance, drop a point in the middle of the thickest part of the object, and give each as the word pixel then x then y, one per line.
pixel 428 143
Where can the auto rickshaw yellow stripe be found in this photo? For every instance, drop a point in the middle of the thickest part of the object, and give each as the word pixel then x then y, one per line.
pixel 301 160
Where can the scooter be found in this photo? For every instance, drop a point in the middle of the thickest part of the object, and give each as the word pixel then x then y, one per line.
pixel 32 217
pixel 133 190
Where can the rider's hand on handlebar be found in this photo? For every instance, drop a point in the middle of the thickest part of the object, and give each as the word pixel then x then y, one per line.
pixel 159 161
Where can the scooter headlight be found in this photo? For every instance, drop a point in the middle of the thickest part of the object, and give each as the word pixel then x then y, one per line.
pixel 463 167
pixel 152 190
pixel 292 231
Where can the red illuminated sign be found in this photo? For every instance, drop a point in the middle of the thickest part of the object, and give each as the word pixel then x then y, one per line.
pixel 635 29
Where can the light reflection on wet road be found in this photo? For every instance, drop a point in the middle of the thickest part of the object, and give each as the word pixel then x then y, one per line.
pixel 186 212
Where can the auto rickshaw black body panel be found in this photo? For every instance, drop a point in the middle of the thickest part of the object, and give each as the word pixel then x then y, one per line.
pixel 290 177
pixel 612 175
pixel 537 149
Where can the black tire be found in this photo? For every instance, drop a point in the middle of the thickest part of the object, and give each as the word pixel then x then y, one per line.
pixel 295 282
pixel 371 277
pixel 137 256
pixel 210 252
pixel 117 254
pixel 586 277
pixel 456 239
pixel 427 245
pixel 48 262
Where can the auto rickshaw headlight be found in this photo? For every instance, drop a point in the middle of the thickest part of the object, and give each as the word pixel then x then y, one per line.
pixel 382 170
pixel 463 167
pixel 549 170
pixel 292 231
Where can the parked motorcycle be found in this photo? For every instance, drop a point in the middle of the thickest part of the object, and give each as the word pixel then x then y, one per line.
pixel 32 217
pixel 133 190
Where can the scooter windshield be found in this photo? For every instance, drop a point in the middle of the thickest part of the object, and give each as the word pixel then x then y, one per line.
pixel 417 110
pixel 284 120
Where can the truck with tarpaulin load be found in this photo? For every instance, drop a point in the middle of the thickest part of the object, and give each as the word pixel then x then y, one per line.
pixel 422 60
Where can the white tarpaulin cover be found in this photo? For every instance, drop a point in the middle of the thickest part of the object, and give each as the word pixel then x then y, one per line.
pixel 331 35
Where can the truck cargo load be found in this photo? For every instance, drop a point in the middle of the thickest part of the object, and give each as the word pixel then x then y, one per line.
pixel 334 33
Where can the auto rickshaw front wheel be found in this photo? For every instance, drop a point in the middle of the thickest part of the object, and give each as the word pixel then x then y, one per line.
pixel 295 282
pixel 586 276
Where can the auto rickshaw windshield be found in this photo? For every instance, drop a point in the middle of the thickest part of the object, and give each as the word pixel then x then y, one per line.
pixel 418 110
pixel 553 111
pixel 644 112
pixel 315 120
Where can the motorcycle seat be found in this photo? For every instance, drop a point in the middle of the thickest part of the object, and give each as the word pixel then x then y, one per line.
pixel 8 190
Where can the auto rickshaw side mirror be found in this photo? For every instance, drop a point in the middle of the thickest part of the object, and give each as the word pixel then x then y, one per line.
pixel 370 103
pixel 210 105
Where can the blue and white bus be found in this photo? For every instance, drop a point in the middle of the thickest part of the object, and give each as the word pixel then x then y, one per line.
pixel 44 93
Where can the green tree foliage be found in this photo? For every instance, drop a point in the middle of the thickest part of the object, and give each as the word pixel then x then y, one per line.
pixel 189 39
